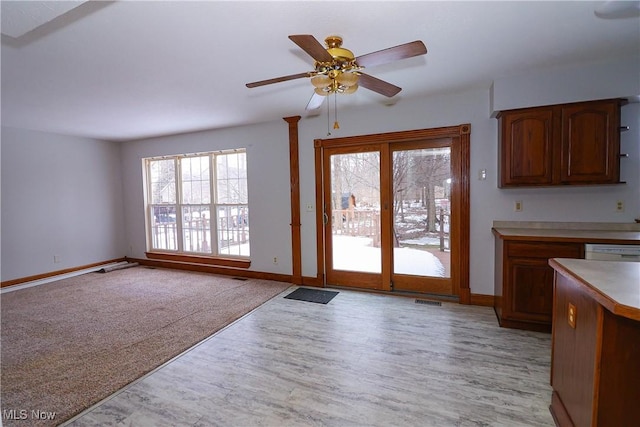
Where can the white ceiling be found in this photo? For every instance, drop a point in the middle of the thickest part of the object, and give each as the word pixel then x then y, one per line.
pixel 20 17
pixel 125 70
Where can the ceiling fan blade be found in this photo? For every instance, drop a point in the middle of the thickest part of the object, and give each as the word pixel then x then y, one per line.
pixel 377 85
pixel 278 80
pixel 315 102
pixel 391 54
pixel 312 46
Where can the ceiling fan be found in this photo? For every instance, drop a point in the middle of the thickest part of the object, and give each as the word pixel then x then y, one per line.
pixel 337 70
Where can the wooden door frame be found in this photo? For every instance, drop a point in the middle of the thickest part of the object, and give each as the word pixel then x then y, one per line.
pixel 460 165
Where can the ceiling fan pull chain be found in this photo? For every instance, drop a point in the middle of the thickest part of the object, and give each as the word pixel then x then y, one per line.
pixel 328 120
pixel 336 125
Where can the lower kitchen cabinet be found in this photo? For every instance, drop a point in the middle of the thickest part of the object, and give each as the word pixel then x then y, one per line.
pixel 524 281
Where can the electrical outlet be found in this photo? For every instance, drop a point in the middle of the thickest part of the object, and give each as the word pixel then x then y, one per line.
pixel 571 315
pixel 517 206
pixel 275 260
pixel 309 208
pixel 620 206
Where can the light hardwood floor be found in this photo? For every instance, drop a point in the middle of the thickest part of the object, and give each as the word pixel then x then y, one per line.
pixel 362 360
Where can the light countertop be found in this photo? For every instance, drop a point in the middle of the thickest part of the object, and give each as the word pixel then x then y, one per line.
pixel 613 284
pixel 613 233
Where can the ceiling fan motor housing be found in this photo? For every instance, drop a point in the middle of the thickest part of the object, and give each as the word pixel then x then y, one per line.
pixel 335 49
pixel 340 71
pixel 343 59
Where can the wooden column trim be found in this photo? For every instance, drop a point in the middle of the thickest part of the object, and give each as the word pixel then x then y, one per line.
pixel 465 214
pixel 320 210
pixel 294 172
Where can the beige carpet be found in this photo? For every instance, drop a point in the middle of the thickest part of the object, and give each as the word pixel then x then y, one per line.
pixel 68 344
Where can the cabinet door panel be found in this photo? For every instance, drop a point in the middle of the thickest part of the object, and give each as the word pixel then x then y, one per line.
pixel 528 280
pixel 527 148
pixel 590 143
pixel 532 291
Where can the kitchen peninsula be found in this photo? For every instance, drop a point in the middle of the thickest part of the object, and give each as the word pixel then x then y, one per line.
pixel 595 367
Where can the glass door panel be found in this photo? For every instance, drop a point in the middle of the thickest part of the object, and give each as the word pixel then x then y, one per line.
pixel 355 212
pixel 353 231
pixel 421 211
pixel 422 217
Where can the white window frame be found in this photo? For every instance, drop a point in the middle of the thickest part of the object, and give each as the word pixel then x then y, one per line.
pixel 233 228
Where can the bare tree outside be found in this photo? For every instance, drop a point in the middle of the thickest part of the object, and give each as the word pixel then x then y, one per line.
pixel 163 177
pixel 422 203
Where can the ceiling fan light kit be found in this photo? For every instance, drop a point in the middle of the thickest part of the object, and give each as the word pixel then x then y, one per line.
pixel 335 82
pixel 337 70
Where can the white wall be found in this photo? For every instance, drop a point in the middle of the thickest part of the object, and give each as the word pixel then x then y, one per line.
pixel 268 178
pixel 61 196
pixel 616 78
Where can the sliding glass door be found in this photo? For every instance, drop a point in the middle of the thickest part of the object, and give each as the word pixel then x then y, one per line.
pixel 388 216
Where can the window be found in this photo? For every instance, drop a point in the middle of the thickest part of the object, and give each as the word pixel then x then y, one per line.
pixel 198 204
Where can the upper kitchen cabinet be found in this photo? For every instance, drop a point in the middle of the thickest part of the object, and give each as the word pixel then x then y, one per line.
pixel 568 144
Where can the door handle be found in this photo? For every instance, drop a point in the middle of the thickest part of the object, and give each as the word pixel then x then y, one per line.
pixel 325 218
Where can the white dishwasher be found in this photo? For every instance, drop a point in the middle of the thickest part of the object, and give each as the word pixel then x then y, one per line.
pixel 612 252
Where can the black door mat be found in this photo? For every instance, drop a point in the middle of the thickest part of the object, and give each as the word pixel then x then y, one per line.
pixel 312 295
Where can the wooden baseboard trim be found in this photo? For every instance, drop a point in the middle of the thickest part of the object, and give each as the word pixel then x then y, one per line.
pixel 483 300
pixel 525 325
pixel 194 259
pixel 203 268
pixel 56 273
